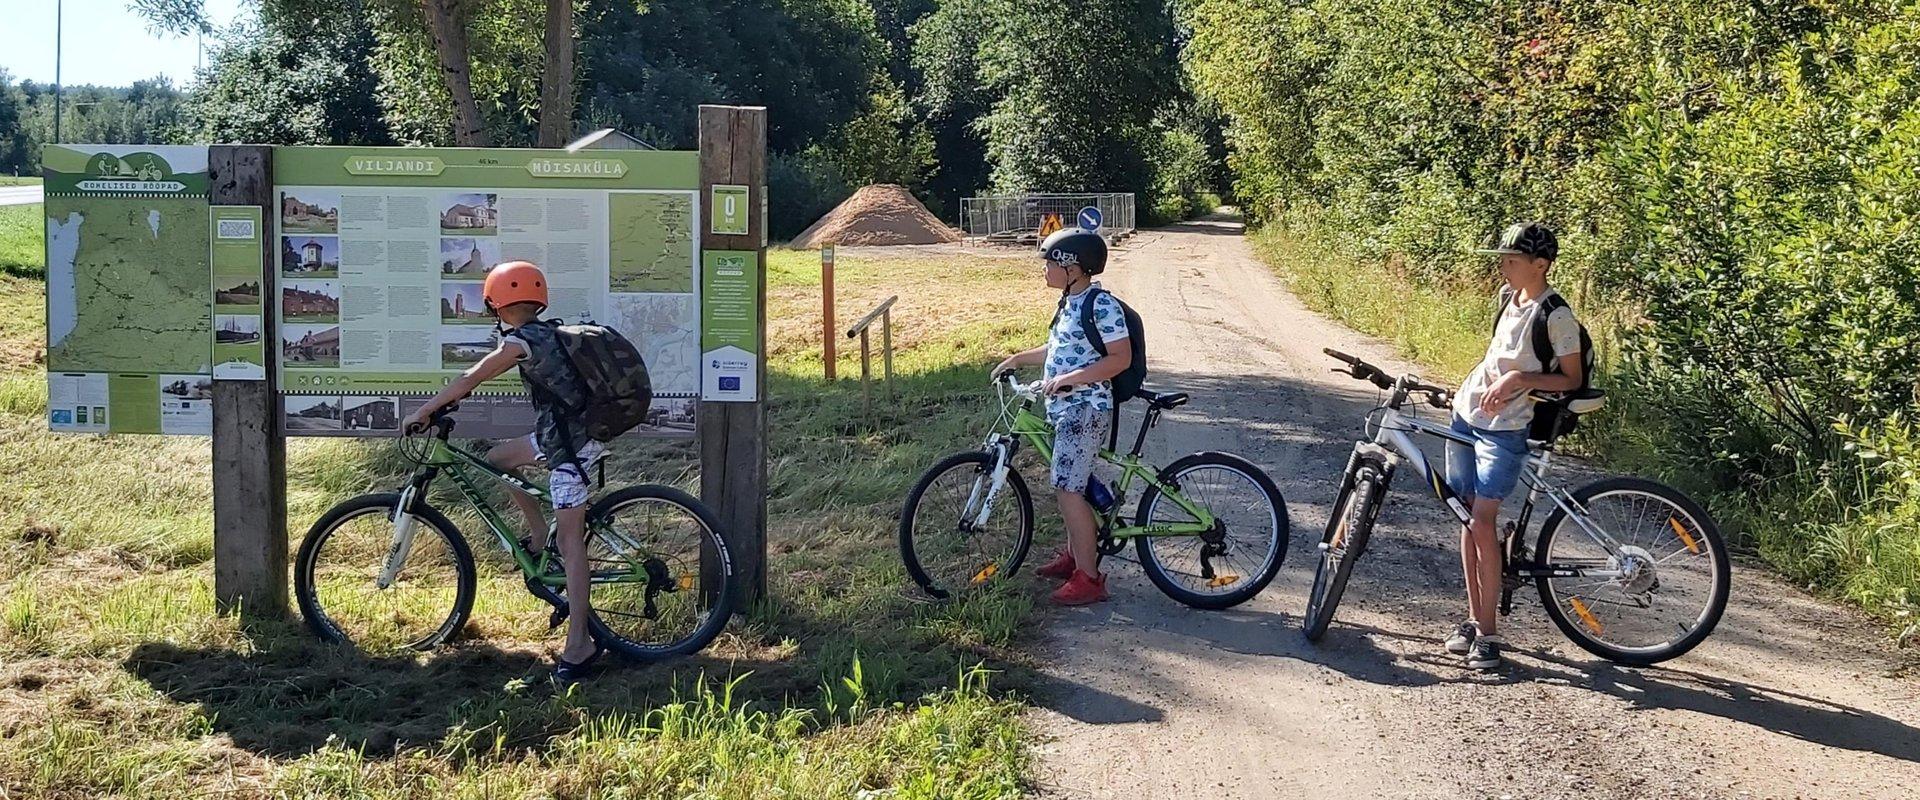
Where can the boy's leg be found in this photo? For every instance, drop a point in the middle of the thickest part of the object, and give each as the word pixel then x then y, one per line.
pixel 1480 554
pixel 1462 478
pixel 1079 431
pixel 573 555
pixel 511 455
pixel 569 488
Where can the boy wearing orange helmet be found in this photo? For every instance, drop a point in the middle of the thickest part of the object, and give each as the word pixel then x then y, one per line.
pixel 516 293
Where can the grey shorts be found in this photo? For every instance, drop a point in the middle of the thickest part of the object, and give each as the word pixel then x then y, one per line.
pixel 568 483
pixel 1079 432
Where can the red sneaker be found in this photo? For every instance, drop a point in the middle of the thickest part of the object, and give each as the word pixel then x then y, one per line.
pixel 1060 568
pixel 1081 589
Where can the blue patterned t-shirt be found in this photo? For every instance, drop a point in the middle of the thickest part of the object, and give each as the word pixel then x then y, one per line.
pixel 1068 348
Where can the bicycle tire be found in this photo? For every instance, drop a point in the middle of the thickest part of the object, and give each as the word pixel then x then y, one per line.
pixel 1354 510
pixel 718 614
pixel 1158 573
pixel 981 461
pixel 305 591
pixel 1704 527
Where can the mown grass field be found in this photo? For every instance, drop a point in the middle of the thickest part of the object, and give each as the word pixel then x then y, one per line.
pixel 19 180
pixel 117 677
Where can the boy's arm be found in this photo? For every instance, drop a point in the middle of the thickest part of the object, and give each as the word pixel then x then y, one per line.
pixel 503 358
pixel 1024 358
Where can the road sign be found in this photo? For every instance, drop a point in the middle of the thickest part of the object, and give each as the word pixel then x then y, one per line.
pixel 1090 218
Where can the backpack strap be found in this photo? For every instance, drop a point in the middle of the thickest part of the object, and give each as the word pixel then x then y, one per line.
pixel 1542 337
pixel 1087 325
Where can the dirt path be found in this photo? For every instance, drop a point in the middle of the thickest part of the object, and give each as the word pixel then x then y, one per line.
pixel 1792 697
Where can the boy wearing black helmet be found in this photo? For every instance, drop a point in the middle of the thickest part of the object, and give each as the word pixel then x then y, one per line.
pixel 1492 410
pixel 1079 398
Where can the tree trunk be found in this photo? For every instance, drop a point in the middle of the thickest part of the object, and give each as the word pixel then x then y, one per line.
pixel 556 83
pixel 447 22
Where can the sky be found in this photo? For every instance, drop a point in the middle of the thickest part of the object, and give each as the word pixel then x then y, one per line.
pixel 104 43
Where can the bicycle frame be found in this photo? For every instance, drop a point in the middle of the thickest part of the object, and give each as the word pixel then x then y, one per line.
pixel 1018 423
pixel 458 464
pixel 1391 442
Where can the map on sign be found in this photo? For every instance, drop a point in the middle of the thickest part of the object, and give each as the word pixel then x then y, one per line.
pixel 125 270
pixel 652 242
pixel 666 328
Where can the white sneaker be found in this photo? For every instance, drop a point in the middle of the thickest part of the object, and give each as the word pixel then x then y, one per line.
pixel 1462 638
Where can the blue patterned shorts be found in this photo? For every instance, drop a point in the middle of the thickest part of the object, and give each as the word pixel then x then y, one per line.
pixel 1079 431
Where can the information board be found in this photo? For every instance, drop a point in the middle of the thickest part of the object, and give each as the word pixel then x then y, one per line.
pixel 129 319
pixel 382 253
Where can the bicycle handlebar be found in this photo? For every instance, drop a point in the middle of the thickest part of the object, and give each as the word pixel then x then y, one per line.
pixel 1437 396
pixel 439 421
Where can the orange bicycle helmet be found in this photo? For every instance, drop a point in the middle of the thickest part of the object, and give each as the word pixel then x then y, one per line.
pixel 514 282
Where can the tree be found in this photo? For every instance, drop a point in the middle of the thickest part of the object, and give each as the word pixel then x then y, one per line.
pixel 272 84
pixel 1070 94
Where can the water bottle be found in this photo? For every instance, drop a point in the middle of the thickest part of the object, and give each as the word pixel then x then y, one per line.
pixel 1099 495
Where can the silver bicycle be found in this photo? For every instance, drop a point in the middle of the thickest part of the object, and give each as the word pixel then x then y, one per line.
pixel 1631 570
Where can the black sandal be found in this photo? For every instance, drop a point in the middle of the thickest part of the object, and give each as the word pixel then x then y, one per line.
pixel 568 673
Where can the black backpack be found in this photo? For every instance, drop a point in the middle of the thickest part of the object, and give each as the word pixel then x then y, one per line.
pixel 1127 383
pixel 1547 412
pixel 611 390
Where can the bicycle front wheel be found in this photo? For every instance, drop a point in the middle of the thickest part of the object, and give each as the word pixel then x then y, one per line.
pixel 1664 586
pixel 945 543
pixel 1230 564
pixel 644 553
pixel 1340 547
pixel 337 577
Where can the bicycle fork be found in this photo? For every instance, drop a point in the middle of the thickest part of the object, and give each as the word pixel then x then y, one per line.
pixel 986 487
pixel 404 525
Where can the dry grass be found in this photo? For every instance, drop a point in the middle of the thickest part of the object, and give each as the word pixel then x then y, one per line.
pixel 119 679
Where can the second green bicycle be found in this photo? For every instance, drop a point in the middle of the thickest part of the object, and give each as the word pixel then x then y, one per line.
pixel 1210 530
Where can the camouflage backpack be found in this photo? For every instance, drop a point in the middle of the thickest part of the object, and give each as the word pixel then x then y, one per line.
pixel 611 391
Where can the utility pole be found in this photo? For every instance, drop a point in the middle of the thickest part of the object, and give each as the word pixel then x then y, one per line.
pixel 59 8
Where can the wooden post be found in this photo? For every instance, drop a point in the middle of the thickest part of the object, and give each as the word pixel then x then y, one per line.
pixel 829 335
pixel 866 378
pixel 886 349
pixel 249 450
pixel 733 436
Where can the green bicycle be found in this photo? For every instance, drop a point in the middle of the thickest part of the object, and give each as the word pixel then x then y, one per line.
pixel 1210 530
pixel 389 571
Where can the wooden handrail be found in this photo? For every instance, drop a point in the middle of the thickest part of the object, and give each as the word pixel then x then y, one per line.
pixel 871 316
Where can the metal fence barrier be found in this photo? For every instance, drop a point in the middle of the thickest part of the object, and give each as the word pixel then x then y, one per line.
pixel 1019 218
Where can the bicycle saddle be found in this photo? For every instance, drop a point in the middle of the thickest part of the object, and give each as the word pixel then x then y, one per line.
pixel 1163 400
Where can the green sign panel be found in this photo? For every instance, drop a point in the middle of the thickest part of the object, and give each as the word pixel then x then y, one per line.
pixel 730 210
pixel 383 253
pixel 730 326
pixel 129 322
pixel 239 351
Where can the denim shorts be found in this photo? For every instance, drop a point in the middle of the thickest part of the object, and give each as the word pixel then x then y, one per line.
pixel 1488 468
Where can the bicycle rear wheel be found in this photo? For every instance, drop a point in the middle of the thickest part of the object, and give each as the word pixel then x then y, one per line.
pixel 1341 546
pixel 1229 565
pixel 1675 572
pixel 336 578
pixel 944 544
pixel 644 551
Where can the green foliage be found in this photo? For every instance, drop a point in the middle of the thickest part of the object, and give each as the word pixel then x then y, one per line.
pixel 271 84
pixel 885 144
pixel 1064 99
pixel 808 185
pixel 1737 185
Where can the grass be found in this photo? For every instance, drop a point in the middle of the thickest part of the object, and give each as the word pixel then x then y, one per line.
pixel 22 253
pixel 117 677
pixel 19 180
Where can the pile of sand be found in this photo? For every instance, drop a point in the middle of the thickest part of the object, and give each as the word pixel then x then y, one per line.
pixel 879 214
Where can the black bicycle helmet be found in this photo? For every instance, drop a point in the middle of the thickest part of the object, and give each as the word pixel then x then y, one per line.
pixel 1074 246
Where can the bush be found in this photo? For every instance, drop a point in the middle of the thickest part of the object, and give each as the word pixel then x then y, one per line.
pixel 801 188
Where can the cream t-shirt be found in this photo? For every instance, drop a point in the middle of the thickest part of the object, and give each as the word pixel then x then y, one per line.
pixel 1510 350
